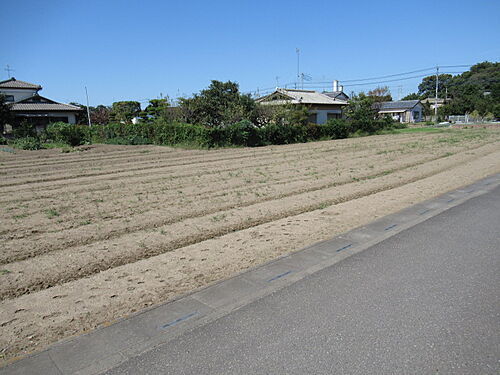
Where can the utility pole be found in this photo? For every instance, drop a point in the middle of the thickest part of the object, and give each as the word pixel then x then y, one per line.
pixel 88 109
pixel 298 65
pixel 277 81
pixel 8 70
pixel 436 101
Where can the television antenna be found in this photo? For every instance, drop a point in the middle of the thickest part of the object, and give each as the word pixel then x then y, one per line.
pixel 8 69
pixel 304 77
pixel 298 66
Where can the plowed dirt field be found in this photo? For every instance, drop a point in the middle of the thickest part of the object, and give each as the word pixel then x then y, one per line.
pixel 91 236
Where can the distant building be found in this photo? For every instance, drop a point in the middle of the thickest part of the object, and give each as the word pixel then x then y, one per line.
pixel 28 105
pixel 321 106
pixel 432 102
pixel 402 110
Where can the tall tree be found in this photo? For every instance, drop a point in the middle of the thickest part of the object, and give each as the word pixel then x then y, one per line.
pixel 412 96
pixel 427 89
pixel 380 94
pixel 219 105
pixel 157 109
pixel 125 111
pixel 475 90
pixel 361 112
pixel 100 115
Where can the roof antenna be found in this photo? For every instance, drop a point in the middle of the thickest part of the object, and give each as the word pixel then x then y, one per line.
pixel 8 70
pixel 298 67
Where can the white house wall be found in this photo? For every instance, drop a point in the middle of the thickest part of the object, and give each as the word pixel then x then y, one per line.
pixel 322 115
pixel 18 94
pixel 71 116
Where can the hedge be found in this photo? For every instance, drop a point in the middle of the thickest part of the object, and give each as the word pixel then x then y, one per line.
pixel 243 133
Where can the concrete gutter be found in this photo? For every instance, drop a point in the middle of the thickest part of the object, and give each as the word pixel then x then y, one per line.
pixel 107 347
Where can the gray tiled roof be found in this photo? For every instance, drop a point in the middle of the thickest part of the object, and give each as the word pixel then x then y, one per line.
pixel 20 107
pixel 401 104
pixel 13 83
pixel 295 96
pixel 333 94
pixel 40 103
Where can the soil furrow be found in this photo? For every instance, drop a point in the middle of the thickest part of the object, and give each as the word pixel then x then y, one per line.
pixel 81 262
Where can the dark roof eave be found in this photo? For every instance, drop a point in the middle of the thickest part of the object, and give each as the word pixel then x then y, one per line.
pixel 47 110
pixel 21 88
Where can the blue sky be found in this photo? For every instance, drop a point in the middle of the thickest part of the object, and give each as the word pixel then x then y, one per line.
pixel 135 50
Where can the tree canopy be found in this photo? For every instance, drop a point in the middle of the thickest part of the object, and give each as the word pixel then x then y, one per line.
pixel 427 89
pixel 125 111
pixel 380 94
pixel 412 96
pixel 475 90
pixel 98 115
pixel 219 105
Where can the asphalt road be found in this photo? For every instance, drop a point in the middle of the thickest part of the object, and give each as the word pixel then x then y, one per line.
pixel 425 301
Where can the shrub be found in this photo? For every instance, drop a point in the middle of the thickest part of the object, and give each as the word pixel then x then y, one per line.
pixel 398 125
pixel 179 134
pixel 274 134
pixel 24 129
pixel 336 129
pixel 243 133
pixel 132 140
pixel 73 135
pixel 28 143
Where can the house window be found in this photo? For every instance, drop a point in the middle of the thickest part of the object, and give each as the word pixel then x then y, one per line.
pixel 416 115
pixel 8 98
pixel 313 118
pixel 53 119
pixel 331 116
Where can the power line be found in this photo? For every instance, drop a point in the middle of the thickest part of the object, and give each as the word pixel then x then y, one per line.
pixel 388 76
pixel 357 82
pixel 385 81
pixel 455 66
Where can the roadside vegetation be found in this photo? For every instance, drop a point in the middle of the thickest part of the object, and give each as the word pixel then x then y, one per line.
pixel 219 116
pixel 475 92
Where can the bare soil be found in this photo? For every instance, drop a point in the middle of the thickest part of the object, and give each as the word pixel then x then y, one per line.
pixel 94 235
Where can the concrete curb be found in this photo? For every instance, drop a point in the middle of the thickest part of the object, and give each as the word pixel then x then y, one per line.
pixel 107 347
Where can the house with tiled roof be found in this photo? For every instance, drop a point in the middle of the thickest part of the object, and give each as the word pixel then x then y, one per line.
pixel 27 104
pixel 401 110
pixel 321 106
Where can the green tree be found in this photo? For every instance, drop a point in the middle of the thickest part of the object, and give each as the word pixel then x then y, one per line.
pixel 100 115
pixel 427 89
pixel 380 94
pixel 125 111
pixel 361 113
pixel 289 114
pixel 219 105
pixel 157 109
pixel 475 90
pixel 412 96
